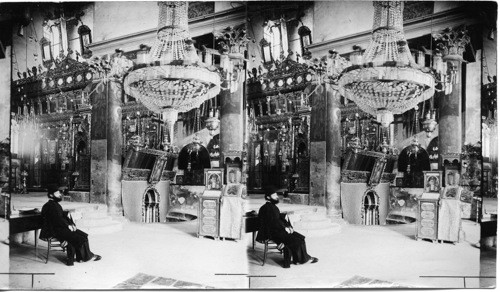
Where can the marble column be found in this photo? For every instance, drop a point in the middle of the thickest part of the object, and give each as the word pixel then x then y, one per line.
pixel 114 148
pixel 231 120
pixel 450 104
pixel 472 121
pixel 317 170
pixel 98 145
pixel 450 115
pixel 333 153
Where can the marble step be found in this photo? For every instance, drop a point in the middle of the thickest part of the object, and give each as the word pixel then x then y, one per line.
pixel 310 225
pixel 312 217
pixel 110 227
pixel 92 222
pixel 332 229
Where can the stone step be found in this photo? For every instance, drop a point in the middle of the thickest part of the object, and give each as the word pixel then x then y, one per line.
pixel 94 215
pixel 99 221
pixel 111 227
pixel 309 225
pixel 332 229
pixel 312 217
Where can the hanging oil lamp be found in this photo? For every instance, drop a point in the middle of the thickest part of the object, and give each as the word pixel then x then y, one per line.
pixel 429 123
pixel 384 147
pixel 213 122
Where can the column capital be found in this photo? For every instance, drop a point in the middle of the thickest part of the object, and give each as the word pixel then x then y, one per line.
pixel 451 42
pixel 233 41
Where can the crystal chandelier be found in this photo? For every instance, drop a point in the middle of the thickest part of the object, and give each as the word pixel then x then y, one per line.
pixel 172 78
pixel 386 80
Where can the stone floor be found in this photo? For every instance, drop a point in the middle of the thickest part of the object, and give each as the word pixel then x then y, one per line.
pixel 170 256
pixel 168 251
pixel 387 254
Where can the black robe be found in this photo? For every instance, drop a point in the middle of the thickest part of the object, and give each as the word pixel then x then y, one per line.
pixel 56 224
pixel 273 226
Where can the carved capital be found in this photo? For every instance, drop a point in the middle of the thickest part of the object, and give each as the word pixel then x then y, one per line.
pixel 451 42
pixel 233 41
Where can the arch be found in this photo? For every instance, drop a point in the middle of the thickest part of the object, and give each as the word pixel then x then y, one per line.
pixel 151 206
pixel 370 208
pixel 194 155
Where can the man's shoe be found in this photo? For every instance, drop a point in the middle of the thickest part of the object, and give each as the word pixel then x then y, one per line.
pixel 97 257
pixel 314 260
pixel 70 263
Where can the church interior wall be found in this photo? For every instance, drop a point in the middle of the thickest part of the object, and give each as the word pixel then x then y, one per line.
pixel 334 19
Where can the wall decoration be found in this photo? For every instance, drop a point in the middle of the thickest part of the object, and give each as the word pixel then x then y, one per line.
pixel 432 181
pixel 377 171
pixel 214 178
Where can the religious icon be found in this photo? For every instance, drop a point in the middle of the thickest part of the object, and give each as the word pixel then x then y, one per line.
pixel 451 176
pixel 377 171
pixel 157 170
pixel 432 181
pixel 214 178
pixel 233 175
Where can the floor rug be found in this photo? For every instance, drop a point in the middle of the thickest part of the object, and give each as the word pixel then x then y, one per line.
pixel 363 282
pixel 144 281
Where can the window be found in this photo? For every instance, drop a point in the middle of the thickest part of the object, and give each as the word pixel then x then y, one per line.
pixel 275 33
pixel 55 32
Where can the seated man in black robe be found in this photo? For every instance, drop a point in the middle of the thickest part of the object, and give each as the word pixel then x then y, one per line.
pixel 60 226
pixel 274 226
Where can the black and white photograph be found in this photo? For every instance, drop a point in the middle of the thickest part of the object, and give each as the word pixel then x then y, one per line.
pixel 248 145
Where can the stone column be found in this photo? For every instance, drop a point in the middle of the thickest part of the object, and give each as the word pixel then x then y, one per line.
pixel 106 134
pixel 333 153
pixel 114 148
pixel 98 145
pixel 317 170
pixel 231 120
pixel 450 105
pixel 472 121
pixel 450 115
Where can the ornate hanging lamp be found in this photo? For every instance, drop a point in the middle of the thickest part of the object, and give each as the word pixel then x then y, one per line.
pixel 388 81
pixel 172 78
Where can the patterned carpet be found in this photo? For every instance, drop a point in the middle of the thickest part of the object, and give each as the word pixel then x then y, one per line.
pixel 144 281
pixel 362 282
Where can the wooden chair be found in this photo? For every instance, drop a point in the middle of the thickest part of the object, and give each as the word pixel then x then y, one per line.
pixel 51 243
pixel 269 244
pixel 46 234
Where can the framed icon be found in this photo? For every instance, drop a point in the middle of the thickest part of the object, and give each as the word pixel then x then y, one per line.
pixel 233 174
pixel 214 178
pixel 432 181
pixel 157 170
pixel 377 171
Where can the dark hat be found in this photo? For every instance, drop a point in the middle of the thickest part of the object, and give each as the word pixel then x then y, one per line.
pixel 269 190
pixel 51 189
